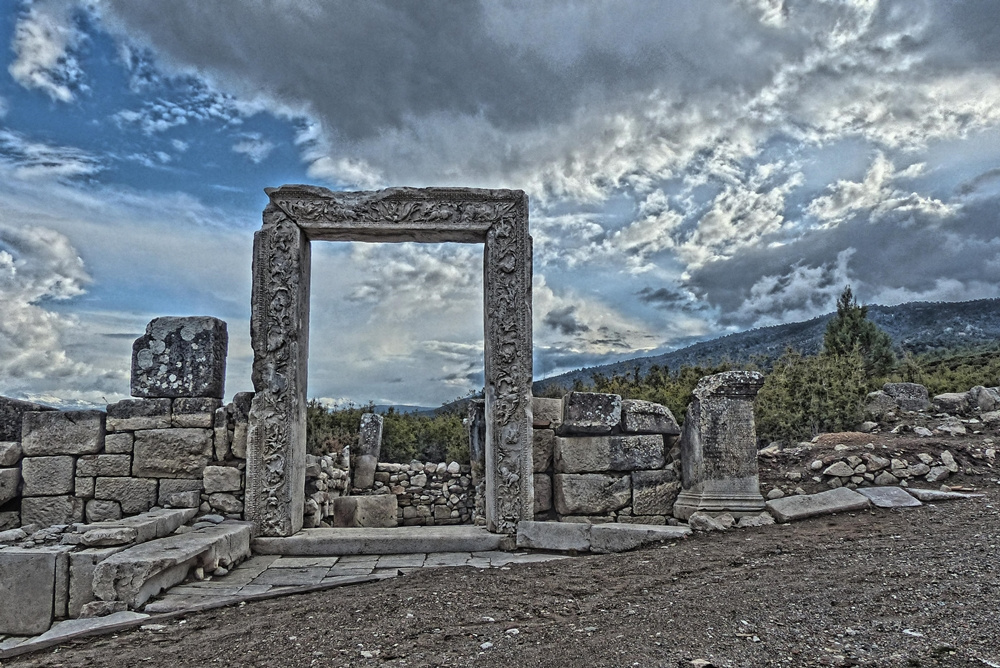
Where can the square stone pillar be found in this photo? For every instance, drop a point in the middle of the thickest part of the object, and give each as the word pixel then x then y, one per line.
pixel 719 448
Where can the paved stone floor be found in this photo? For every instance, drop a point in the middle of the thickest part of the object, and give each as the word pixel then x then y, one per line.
pixel 276 575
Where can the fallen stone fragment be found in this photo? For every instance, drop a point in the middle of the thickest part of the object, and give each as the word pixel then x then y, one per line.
pixel 938 495
pixel 109 537
pixel 923 432
pixel 937 474
pixel 839 469
pixel 889 497
pixel 704 522
pixel 750 521
pixel 605 538
pixel 101 609
pixel 839 500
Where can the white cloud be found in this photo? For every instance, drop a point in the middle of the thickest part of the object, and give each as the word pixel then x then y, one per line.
pixel 254 146
pixel 45 38
pixel 35 160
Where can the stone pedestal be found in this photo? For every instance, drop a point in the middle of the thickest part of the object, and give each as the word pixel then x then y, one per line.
pixel 719 448
pixel 368 450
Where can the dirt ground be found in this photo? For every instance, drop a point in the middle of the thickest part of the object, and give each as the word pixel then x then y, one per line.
pixel 910 587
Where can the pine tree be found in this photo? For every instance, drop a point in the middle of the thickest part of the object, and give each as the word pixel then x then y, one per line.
pixel 851 330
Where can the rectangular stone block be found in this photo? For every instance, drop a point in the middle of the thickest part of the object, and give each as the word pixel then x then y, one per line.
pixel 840 500
pixel 132 414
pixel 543 493
pixel 171 453
pixel 546 413
pixel 584 454
pixel 12 415
pixel 10 480
pixel 47 476
pixel 10 453
pixel 81 576
pixel 590 493
pixel 118 444
pixel 365 511
pixel 62 433
pixel 46 511
pixel 590 413
pixel 169 487
pixel 9 519
pixel 645 417
pixel 136 495
pixel 222 479
pixel 542 444
pixel 83 488
pixel 654 492
pixel 27 591
pixel 180 357
pixel 198 412
pixel 558 536
pixel 221 435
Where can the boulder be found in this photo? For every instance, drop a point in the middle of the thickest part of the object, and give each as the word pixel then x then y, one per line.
pixel 908 396
pixel 986 399
pixel 952 402
pixel 879 404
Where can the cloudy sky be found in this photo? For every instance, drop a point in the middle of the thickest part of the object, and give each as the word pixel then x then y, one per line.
pixel 693 169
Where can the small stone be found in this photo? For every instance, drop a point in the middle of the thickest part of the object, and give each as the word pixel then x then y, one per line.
pixel 937 474
pixel 700 521
pixel 839 469
pixel 101 608
pixel 109 537
pixel 948 460
pixel 816 465
pixel 775 493
pixel 886 479
pixel 925 458
pixel 922 432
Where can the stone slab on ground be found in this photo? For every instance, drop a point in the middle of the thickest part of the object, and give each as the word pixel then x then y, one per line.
pixel 72 627
pixel 136 574
pixel 939 495
pixel 558 536
pixel 152 524
pixel 791 508
pixel 399 540
pixel 27 591
pixel 606 538
pixel 889 497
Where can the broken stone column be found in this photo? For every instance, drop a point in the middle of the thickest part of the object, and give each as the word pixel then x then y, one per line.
pixel 180 357
pixel 719 448
pixel 369 447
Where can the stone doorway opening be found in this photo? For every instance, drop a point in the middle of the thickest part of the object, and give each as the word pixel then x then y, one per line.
pixel 298 215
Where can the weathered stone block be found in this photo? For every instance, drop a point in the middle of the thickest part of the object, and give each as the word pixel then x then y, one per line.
pixel 81 576
pixel 605 538
pixel 546 413
pixel 986 399
pixel 27 591
pixel 590 413
pixel 136 495
pixel 48 510
pixel 132 414
pixel 10 480
pixel 365 455
pixel 118 444
pixel 799 507
pixel 908 396
pixel 9 519
pixel 558 536
pixel 226 503
pixel 654 492
pixel 645 417
pixel 10 453
pixel 580 454
pixel 180 357
pixel 889 497
pixel 62 433
pixel 171 453
pixel 222 479
pixel 365 511
pixel 198 412
pixel 590 493
pixel 102 511
pixel 172 486
pixel 878 404
pixel 103 465
pixel 952 402
pixel 47 476
pixel 83 487
pixel 543 442
pixel 543 492
pixel 222 435
pixel 12 415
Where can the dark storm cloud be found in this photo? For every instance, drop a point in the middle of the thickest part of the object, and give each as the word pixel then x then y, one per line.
pixel 564 320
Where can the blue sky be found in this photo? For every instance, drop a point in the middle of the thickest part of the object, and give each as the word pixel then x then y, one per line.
pixel 693 169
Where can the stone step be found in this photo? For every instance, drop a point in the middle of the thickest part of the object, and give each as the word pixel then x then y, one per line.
pixel 152 524
pixel 598 538
pixel 136 574
pixel 399 540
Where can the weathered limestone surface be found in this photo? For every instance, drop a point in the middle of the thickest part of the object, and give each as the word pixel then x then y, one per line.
pixel 171 453
pixel 365 511
pixel 136 495
pixel 139 414
pixel 27 591
pixel 62 433
pixel 543 493
pixel 543 444
pixel 365 456
pixel 152 524
pixel 10 479
pixel 654 492
pixel 559 536
pixel 136 574
pixel 889 497
pixel 908 396
pixel 605 538
pixel 280 326
pixel 719 448
pixel 118 444
pixel 180 357
pixel 608 453
pixel 10 453
pixel 840 500
pixel 196 412
pixel 171 489
pixel 12 415
pixel 546 413
pixel 102 511
pixel 591 413
pixel 81 575
pixel 645 417
pixel 47 476
pixel 222 479
pixel 103 465
pixel 590 493
pixel 48 510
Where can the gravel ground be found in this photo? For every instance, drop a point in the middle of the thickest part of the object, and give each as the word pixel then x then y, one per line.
pixel 910 587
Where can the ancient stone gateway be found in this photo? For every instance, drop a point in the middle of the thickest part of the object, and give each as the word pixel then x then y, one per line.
pixel 279 331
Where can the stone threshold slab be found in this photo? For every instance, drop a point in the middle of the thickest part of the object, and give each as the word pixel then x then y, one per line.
pixel 596 538
pixel 399 540
pixel 116 623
